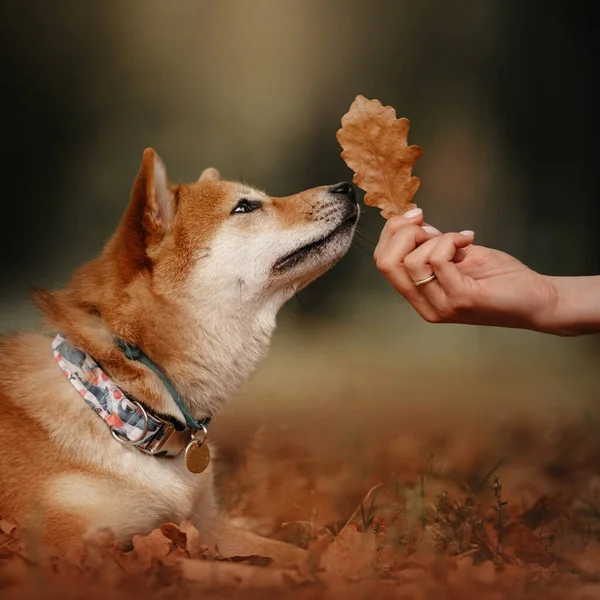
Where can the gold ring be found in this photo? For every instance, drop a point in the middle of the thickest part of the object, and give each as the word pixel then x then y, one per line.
pixel 425 280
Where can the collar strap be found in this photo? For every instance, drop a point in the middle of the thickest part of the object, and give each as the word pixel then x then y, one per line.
pixel 130 423
pixel 135 353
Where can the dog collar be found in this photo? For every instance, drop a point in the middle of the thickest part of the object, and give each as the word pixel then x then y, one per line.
pixel 130 423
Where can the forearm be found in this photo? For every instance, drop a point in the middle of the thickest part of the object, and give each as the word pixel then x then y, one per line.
pixel 577 306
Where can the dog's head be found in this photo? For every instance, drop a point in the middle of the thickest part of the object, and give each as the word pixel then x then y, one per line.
pixel 229 242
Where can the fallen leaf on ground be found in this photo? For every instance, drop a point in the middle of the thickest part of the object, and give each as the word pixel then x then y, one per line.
pixel 151 547
pixel 176 535
pixel 351 553
pixel 225 574
pixel 520 542
pixel 193 543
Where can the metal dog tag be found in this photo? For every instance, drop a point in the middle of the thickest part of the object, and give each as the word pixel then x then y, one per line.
pixel 197 456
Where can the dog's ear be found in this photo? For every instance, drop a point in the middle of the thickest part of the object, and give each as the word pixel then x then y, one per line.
pixel 152 191
pixel 210 174
pixel 147 219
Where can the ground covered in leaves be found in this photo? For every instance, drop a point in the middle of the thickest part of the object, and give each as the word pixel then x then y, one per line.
pixel 430 504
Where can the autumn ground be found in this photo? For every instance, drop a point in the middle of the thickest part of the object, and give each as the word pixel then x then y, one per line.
pixel 404 482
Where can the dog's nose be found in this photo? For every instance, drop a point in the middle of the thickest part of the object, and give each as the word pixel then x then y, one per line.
pixel 344 188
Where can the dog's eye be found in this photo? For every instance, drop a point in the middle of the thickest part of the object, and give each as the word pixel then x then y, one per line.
pixel 245 206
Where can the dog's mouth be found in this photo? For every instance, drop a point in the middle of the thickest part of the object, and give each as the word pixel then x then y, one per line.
pixel 301 254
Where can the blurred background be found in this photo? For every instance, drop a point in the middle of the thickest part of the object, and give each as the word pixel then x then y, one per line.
pixel 499 95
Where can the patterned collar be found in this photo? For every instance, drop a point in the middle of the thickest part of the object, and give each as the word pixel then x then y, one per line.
pixel 130 423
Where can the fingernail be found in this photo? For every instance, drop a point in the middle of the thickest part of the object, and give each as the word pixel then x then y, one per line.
pixel 467 232
pixel 431 230
pixel 415 212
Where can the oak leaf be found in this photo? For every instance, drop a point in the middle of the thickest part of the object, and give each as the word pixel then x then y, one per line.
pixel 375 147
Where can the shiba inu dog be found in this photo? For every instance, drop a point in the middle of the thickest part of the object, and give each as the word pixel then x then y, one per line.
pixel 103 421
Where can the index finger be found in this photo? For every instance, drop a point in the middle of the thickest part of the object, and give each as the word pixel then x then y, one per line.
pixel 390 259
pixel 393 224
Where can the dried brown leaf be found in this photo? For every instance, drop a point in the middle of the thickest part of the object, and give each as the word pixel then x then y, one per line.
pixel 521 543
pixel 193 543
pixel 375 147
pixel 152 547
pixel 226 574
pixel 176 535
pixel 545 510
pixel 351 553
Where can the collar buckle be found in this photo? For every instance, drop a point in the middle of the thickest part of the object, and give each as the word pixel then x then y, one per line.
pixel 122 439
pixel 170 442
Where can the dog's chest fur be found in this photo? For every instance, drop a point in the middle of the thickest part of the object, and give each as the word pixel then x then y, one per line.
pixel 224 354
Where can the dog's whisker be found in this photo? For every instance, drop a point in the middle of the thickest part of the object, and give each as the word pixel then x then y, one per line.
pixel 362 236
pixel 305 308
pixel 370 230
pixel 363 249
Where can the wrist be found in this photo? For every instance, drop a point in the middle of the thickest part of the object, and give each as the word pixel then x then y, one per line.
pixel 538 309
pixel 574 307
pixel 550 318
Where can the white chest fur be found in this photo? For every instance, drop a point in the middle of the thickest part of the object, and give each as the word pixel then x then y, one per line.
pixel 132 493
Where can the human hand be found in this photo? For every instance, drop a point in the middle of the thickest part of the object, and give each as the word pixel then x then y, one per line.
pixel 472 285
